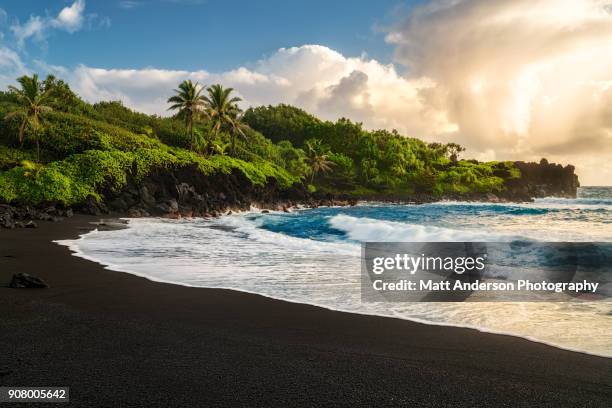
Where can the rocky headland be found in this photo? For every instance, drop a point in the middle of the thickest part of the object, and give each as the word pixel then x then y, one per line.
pixel 188 193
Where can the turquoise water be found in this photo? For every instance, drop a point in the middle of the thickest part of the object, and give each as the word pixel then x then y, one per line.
pixel 313 256
pixel 587 218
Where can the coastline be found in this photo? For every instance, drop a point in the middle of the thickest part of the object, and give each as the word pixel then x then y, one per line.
pixel 186 193
pixel 161 343
pixel 123 222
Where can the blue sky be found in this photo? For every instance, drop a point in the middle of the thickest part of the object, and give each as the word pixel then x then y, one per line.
pixel 192 34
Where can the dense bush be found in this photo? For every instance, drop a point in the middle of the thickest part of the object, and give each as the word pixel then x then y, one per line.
pixel 10 157
pixel 171 131
pixel 72 180
pixel 380 161
pixel 282 122
pixel 66 134
pixel 89 148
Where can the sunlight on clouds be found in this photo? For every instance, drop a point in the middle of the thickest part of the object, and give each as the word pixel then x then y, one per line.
pixel 525 78
pixel 315 77
pixel 509 79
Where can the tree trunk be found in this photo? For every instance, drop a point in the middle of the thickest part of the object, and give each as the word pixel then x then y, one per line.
pixel 190 135
pixel 22 133
pixel 37 150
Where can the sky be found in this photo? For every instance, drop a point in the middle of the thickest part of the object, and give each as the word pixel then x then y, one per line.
pixel 508 79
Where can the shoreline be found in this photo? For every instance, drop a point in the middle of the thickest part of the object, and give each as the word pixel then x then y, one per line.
pixel 272 350
pixel 22 216
pixel 75 251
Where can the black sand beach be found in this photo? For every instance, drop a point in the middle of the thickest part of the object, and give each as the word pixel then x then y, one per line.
pixel 119 340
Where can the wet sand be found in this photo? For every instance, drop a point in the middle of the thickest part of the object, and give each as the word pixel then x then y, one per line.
pixel 119 340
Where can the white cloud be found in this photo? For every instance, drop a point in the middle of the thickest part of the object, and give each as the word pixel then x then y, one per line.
pixel 69 19
pixel 317 78
pixel 523 78
pixel 510 79
pixel 35 27
pixel 11 67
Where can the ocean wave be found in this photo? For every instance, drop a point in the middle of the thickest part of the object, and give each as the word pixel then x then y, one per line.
pixel 538 206
pixel 252 228
pixel 313 256
pixel 373 230
pixel 580 201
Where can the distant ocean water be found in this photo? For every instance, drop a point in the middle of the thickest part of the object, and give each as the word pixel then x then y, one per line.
pixel 313 256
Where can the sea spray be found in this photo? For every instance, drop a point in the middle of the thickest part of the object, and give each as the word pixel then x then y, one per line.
pixel 312 256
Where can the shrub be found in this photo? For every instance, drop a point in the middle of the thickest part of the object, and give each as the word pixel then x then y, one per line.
pixel 10 157
pixel 72 180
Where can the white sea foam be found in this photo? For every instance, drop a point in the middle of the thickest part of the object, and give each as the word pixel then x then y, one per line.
pixel 235 252
pixel 371 230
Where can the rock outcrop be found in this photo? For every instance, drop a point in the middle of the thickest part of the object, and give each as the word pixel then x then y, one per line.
pixel 542 179
pixel 25 281
pixel 15 216
pixel 188 193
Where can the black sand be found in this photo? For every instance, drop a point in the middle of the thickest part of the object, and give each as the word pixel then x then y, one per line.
pixel 119 340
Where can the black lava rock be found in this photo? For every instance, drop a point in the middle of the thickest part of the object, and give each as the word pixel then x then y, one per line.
pixel 24 280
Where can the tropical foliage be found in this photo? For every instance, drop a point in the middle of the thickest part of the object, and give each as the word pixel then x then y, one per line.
pixel 380 161
pixel 83 150
pixel 317 158
pixel 189 104
pixel 31 105
pixel 224 113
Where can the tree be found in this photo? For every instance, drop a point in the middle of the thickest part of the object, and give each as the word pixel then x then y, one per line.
pixel 317 158
pixel 189 103
pixel 62 99
pixel 283 122
pixel 224 113
pixel 32 101
pixel 453 150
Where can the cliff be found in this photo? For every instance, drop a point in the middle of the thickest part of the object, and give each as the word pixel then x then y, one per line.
pixel 186 192
pixel 541 179
pixel 189 193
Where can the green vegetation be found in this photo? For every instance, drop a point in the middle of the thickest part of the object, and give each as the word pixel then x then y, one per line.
pixel 189 103
pixel 317 158
pixel 31 105
pixel 379 162
pixel 55 147
pixel 223 112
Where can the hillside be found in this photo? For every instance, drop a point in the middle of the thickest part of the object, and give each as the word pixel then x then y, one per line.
pixel 104 156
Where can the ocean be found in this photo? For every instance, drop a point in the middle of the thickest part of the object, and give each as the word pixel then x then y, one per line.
pixel 312 256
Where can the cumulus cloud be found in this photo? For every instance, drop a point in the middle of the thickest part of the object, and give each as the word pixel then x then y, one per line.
pixel 69 19
pixel 314 77
pixel 509 79
pixel 520 78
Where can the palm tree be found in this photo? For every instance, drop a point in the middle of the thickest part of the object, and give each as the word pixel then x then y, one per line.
pixel 219 148
pixel 32 99
pixel 189 103
pixel 317 158
pixel 224 113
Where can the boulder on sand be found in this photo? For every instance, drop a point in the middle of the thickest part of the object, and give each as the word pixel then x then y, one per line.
pixel 24 280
